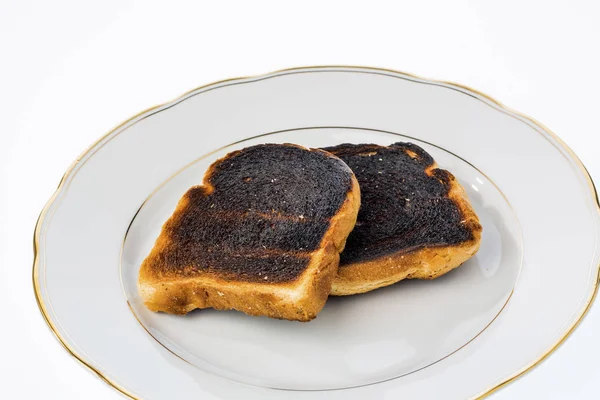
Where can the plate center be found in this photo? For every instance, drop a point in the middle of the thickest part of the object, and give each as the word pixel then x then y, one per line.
pixel 356 340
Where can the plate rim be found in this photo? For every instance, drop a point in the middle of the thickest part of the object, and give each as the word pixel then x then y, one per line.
pixel 559 144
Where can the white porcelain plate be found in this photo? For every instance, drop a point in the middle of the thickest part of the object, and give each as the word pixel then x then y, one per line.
pixel 460 336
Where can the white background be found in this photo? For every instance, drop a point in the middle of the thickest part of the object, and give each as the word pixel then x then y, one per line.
pixel 70 71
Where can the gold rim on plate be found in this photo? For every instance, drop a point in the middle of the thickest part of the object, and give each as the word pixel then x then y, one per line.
pixel 451 85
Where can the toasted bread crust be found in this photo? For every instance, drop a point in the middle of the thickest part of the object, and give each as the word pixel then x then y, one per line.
pixel 297 299
pixel 425 263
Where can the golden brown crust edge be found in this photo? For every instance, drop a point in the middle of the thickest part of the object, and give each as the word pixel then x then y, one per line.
pixel 427 263
pixel 299 300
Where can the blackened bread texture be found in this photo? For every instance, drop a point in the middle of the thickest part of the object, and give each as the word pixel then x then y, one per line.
pixel 262 234
pixel 415 220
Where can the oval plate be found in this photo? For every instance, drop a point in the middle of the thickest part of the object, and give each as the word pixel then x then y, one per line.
pixel 506 309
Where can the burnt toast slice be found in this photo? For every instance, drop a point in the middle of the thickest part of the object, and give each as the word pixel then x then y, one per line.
pixel 261 235
pixel 415 219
